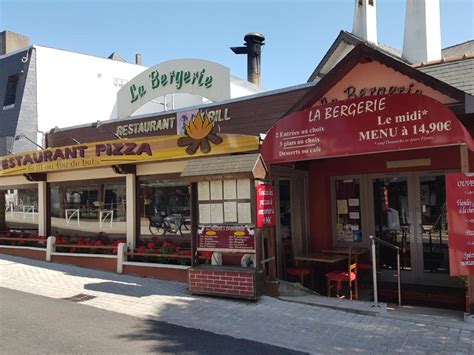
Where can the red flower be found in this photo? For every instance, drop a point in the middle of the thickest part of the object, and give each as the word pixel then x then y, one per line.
pixel 72 250
pixel 114 251
pixel 167 245
pixel 177 248
pixel 141 249
pixel 150 245
pixel 207 255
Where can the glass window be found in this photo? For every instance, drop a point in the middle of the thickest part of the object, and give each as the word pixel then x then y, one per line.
pixel 10 93
pixel 21 210
pixel 348 211
pixel 89 209
pixel 165 211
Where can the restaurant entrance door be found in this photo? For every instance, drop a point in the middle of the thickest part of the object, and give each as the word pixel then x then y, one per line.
pixel 409 211
pixel 292 231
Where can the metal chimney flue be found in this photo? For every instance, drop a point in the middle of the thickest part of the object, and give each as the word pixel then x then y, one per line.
pixel 138 59
pixel 253 48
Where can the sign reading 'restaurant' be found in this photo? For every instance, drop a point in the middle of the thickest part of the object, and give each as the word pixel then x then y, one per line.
pixel 363 125
pixel 460 207
pixel 129 151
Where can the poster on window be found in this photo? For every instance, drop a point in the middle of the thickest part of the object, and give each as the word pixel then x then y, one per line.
pixel 460 210
pixel 265 206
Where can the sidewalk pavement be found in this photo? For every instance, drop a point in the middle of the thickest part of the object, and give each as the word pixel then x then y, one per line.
pixel 291 325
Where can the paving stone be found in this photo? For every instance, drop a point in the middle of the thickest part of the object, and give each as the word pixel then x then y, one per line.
pixel 298 326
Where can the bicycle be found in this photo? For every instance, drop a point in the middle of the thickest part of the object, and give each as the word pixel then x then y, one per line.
pixel 162 224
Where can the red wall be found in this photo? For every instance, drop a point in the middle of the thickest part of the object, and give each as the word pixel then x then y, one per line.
pixel 98 263
pixel 168 274
pixel 25 253
pixel 321 171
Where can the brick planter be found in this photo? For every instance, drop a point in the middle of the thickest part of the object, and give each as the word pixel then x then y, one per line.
pixel 90 261
pixel 163 272
pixel 234 282
pixel 25 252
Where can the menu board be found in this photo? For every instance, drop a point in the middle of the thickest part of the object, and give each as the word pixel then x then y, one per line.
pixel 460 208
pixel 230 239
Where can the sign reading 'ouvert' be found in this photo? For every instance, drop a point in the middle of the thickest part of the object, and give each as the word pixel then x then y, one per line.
pixel 190 76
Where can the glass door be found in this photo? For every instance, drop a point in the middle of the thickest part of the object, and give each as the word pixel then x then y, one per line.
pixel 393 222
pixel 291 188
pixel 432 230
pixel 409 211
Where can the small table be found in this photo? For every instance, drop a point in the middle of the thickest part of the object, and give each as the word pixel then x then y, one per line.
pixel 345 250
pixel 327 258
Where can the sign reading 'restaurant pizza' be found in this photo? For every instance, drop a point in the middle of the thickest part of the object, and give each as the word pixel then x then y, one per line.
pixel 200 138
pixel 361 126
pixel 460 207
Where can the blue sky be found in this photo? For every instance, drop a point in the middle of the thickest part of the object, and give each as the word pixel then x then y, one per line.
pixel 298 32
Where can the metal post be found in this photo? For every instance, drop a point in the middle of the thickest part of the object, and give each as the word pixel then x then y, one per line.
pixel 374 272
pixel 398 278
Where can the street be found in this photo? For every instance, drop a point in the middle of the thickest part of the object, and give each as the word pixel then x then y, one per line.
pixel 36 324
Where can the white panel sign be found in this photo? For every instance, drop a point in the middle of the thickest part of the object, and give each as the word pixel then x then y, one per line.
pixel 191 76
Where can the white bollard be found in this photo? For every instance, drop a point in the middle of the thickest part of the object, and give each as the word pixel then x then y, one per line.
pixel 50 247
pixel 121 257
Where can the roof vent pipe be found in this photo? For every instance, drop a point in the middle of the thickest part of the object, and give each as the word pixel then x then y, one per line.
pixel 253 48
pixel 138 59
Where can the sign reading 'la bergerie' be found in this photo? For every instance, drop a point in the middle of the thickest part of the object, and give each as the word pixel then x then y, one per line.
pixel 188 76
pixel 363 126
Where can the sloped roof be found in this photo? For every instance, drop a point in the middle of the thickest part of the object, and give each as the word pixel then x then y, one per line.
pixel 362 53
pixel 117 57
pixel 459 49
pixel 344 43
pixel 225 165
pixel 459 74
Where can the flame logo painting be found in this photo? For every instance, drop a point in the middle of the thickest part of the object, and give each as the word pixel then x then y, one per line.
pixel 199 131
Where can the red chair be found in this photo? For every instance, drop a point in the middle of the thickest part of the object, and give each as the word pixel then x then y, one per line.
pixel 300 272
pixel 336 278
pixel 288 264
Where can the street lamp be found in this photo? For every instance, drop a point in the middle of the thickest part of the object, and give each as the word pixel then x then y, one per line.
pixel 59 130
pixel 100 124
pixel 21 135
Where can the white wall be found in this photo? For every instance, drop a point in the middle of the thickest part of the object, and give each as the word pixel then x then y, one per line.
pixel 75 88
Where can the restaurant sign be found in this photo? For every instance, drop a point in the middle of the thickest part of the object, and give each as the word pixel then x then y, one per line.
pixel 265 206
pixel 191 76
pixel 236 239
pixel 200 140
pixel 362 126
pixel 460 208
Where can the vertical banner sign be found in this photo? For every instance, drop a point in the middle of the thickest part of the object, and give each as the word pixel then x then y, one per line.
pixel 265 206
pixel 460 208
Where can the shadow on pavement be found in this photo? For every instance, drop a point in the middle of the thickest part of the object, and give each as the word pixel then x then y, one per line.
pixel 128 285
pixel 174 339
pixel 131 290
